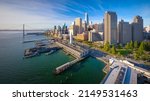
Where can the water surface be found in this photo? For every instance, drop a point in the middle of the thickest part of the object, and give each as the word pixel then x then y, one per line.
pixel 39 70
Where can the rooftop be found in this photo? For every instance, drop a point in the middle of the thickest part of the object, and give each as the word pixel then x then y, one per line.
pixel 121 73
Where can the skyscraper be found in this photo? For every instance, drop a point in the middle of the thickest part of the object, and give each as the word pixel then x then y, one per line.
pixel 59 28
pixel 84 26
pixel 87 18
pixel 110 27
pixel 78 25
pixel 137 29
pixel 124 32
pixel 55 29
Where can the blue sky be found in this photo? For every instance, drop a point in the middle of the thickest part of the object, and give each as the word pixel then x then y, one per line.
pixel 46 13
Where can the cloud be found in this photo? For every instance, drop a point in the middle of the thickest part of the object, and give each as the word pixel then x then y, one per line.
pixel 45 13
pixel 18 13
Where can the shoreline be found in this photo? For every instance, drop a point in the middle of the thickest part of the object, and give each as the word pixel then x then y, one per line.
pixel 106 66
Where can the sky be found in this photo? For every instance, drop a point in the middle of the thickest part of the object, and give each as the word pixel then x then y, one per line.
pixel 41 14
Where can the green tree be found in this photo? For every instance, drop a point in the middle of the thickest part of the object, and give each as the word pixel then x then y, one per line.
pixel 119 46
pixel 141 48
pixel 147 46
pixel 136 44
pixel 136 56
pixel 119 54
pixel 107 46
pixel 127 46
pixel 131 45
pixel 113 50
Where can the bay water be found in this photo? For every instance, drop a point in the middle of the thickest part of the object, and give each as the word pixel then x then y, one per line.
pixel 14 69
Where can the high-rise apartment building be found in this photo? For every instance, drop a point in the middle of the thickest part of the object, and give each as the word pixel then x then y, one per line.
pixel 124 32
pixel 110 27
pixel 78 25
pixel 137 29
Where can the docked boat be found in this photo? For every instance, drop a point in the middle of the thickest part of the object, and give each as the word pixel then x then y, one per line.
pixel 52 51
pixel 32 55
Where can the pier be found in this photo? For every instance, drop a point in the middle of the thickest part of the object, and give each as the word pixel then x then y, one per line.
pixel 65 66
pixel 76 51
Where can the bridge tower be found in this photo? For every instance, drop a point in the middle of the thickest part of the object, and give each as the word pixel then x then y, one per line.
pixel 23 30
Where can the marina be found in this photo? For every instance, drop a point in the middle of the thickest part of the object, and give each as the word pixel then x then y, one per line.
pixel 40 47
pixel 48 48
pixel 31 52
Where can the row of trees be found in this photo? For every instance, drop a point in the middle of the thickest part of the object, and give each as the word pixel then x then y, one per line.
pixel 132 45
pixel 135 45
pixel 138 49
pixel 141 52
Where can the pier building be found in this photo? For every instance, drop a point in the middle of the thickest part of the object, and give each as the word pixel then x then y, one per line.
pixel 123 72
pixel 74 50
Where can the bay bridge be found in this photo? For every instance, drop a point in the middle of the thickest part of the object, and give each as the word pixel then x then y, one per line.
pixel 26 29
